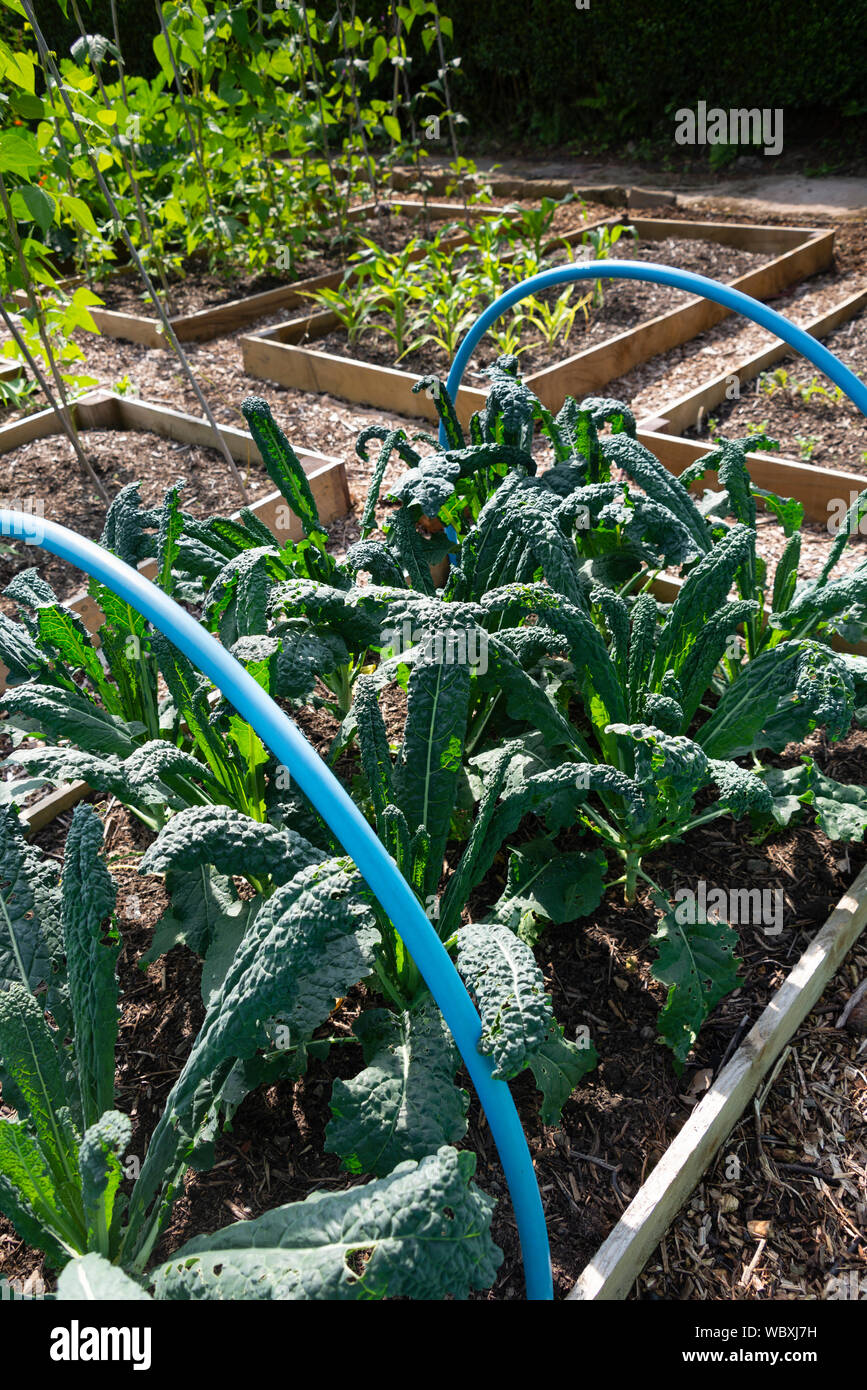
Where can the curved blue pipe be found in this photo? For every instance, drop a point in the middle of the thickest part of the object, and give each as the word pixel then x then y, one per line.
pixel 286 741
pixel 731 298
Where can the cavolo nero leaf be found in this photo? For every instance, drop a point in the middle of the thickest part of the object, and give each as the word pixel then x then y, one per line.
pixel 310 942
pixel 19 653
pixel 65 715
pixel 841 808
pixel 29 1053
pixel 28 1192
pixel 232 842
pixel 428 764
pixel 281 462
pixel 30 941
pixel 92 1279
pixel 61 628
pixel 99 1162
pixel 779 697
pixel 697 961
pixel 541 886
pixel 423 1233
pixel 501 973
pixel 558 1065
pixel 207 915
pixel 89 894
pixel 404 1104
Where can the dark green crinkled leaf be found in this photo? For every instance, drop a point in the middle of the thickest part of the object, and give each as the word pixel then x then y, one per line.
pixel 404 1104
pixel 302 657
pixel 697 961
pixel 501 973
pixel 549 885
pixel 424 1230
pixel 91 1279
pixel 778 698
pixel 558 1065
pixel 19 653
pixel 62 714
pixel 207 915
pixel 29 909
pixel 428 764
pixel 89 894
pixel 281 462
pixel 310 942
pixel 232 842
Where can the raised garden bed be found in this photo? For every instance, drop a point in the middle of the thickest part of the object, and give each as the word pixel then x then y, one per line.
pixel 814 423
pixel 121 419
pixel 207 305
pixel 634 1143
pixel 502 186
pixel 110 412
pixel 621 1118
pixel 275 354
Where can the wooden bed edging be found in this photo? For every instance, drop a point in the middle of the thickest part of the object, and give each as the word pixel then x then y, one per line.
pixel 106 410
pixel 687 410
pixel 274 354
pixel 593 368
pixel 620 1259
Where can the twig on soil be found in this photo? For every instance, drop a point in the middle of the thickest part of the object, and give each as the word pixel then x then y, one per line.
pixel 854 1000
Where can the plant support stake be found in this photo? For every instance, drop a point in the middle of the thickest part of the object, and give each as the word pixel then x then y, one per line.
pixel 51 67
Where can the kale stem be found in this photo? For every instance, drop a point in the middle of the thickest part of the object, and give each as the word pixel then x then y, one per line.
pixel 650 880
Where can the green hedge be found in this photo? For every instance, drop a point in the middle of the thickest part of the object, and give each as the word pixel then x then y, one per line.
pixel 546 69
pixel 137 21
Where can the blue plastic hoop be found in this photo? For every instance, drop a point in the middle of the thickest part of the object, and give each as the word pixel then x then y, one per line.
pixel 317 781
pixel 649 271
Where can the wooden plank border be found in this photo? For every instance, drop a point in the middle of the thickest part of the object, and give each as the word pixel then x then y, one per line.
pixel 275 355
pixel 688 410
pixel 620 1259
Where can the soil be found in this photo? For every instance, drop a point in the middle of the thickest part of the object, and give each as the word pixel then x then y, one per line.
pixel 624 304
pixel 43 475
pixel 619 1121
pixel 827 430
